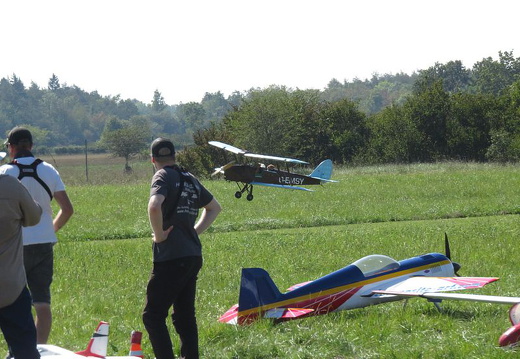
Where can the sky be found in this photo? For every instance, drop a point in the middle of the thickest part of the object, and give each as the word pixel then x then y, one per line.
pixel 186 48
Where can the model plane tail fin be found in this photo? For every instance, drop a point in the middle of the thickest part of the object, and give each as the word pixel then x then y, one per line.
pixel 323 171
pixel 135 344
pixel 256 289
pixel 97 346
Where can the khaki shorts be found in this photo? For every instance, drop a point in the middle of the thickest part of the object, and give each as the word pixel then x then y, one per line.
pixel 39 266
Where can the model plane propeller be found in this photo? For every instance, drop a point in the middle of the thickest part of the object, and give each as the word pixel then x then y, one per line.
pixel 371 280
pixel 246 175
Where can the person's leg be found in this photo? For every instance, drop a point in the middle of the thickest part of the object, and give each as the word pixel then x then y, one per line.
pixel 43 321
pixel 17 325
pixel 183 316
pixel 158 302
pixel 39 268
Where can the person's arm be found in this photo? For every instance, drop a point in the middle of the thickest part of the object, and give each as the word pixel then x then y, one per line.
pixel 156 220
pixel 209 213
pixel 65 212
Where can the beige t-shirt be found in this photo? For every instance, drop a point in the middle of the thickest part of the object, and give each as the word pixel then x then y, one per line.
pixel 17 209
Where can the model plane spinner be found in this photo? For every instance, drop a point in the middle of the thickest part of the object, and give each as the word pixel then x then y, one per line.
pixel 246 175
pixel 375 279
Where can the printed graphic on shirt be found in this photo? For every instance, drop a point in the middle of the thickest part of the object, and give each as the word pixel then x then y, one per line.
pixel 188 199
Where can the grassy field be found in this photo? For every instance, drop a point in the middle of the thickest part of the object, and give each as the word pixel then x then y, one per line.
pixel 104 258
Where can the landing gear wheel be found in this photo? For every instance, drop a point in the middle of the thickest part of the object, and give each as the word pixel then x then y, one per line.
pixel 249 197
pixel 238 194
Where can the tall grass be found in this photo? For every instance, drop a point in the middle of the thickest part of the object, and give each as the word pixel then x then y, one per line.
pixel 104 257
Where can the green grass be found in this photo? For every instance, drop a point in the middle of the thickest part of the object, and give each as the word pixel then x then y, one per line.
pixel 104 258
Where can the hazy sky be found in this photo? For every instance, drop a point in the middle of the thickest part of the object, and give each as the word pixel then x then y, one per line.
pixel 187 48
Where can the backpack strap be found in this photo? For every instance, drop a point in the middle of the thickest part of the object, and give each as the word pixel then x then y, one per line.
pixel 30 171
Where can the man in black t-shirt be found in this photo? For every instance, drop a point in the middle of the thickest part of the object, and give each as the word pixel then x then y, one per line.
pixel 175 199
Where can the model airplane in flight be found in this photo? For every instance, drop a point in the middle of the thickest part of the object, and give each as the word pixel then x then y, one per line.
pixel 375 279
pixel 2 155
pixel 246 174
pixel 96 348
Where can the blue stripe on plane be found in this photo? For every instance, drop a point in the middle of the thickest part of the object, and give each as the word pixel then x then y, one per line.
pixel 258 289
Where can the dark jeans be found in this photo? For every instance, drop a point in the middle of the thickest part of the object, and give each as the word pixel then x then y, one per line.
pixel 173 283
pixel 17 324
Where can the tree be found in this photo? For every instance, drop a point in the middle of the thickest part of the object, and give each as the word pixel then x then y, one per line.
pixel 429 110
pixel 454 76
pixel 215 107
pixel 54 83
pixel 468 126
pixel 158 103
pixel 346 129
pixel 126 141
pixel 191 115
pixel 494 77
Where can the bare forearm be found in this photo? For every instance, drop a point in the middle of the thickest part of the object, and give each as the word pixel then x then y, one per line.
pixel 61 219
pixel 66 210
pixel 208 216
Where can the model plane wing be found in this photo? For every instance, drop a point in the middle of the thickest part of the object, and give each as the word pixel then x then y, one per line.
pixel 455 296
pixel 275 158
pixel 416 286
pixel 239 151
pixel 281 186
pixel 227 147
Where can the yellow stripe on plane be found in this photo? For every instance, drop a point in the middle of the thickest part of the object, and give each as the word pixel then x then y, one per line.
pixel 341 288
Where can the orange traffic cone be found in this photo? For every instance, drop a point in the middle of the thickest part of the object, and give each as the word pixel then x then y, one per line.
pixel 135 344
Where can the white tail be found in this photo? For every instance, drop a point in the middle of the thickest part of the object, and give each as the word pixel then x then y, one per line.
pixel 97 346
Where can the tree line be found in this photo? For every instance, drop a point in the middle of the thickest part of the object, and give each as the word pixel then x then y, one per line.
pixel 445 112
pixel 450 113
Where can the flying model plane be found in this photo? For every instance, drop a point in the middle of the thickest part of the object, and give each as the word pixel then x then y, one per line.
pixel 2 155
pixel 371 280
pixel 246 175
pixel 96 348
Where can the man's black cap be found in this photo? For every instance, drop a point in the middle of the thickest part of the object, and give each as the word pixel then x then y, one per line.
pixel 19 135
pixel 162 147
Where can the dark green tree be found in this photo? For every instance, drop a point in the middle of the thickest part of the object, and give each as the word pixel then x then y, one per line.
pixel 54 83
pixel 468 126
pixel 394 138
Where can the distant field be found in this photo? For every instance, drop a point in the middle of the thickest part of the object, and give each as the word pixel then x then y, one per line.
pixel 99 169
pixel 103 258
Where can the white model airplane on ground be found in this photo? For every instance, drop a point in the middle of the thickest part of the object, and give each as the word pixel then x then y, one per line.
pixel 96 348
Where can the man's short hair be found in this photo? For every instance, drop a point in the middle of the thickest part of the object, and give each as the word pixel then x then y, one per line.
pixel 162 149
pixel 19 136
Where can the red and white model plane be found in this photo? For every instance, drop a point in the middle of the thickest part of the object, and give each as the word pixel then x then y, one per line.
pixel 96 348
pixel 371 280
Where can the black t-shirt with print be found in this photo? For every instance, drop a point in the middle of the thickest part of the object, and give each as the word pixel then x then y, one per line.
pixel 179 209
